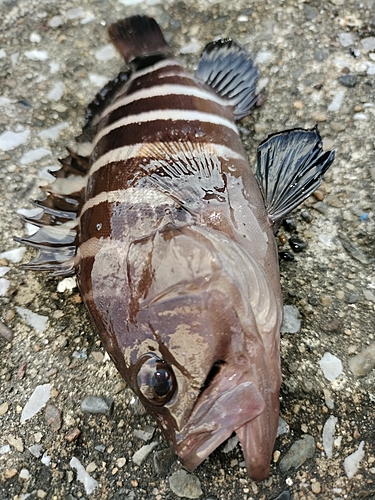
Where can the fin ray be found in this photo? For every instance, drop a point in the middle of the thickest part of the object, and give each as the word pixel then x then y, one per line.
pixel 230 71
pixel 290 167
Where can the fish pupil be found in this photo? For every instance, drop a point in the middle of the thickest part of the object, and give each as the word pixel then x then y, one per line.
pixel 162 382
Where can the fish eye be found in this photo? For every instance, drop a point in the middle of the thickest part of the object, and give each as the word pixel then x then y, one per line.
pixel 155 379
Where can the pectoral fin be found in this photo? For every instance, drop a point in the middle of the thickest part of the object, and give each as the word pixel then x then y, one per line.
pixel 290 167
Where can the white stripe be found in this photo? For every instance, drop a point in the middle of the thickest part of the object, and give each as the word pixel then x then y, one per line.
pixel 167 114
pixel 143 150
pixel 164 90
pixel 159 65
pixel 130 196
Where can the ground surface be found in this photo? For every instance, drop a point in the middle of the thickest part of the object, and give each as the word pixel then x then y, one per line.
pixel 50 68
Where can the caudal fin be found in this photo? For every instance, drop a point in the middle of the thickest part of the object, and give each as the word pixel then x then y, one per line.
pixel 138 37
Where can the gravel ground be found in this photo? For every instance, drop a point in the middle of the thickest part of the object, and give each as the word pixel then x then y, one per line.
pixel 318 66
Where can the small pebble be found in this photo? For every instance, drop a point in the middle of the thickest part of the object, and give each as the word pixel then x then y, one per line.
pixel 24 474
pixel 346 39
pixel 296 244
pixel 88 482
pixel 351 463
pixel 319 117
pixel 53 417
pixel 6 332
pixel 4 408
pixel 298 453
pixel 331 366
pixel 348 80
pixel 306 216
pixel 368 43
pixel 338 126
pixel 325 300
pixel 37 400
pixel 361 364
pixel 185 485
pixel 72 435
pixel 36 450
pixel 291 320
pixel 144 434
pixel 329 435
pixel 41 494
pixel 97 405
pixel 16 442
pixel 141 455
pixel 321 207
pixel 287 256
pixel 316 487
pixel 9 473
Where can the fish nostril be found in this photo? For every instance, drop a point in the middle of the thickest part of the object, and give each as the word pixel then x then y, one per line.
pixel 212 374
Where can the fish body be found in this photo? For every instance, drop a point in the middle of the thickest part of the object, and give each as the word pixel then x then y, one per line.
pixel 171 237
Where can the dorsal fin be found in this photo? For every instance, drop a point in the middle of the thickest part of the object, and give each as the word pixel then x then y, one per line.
pixel 138 37
pixel 230 71
pixel 291 165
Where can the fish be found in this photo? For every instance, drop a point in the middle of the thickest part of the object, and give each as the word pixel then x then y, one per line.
pixel 171 236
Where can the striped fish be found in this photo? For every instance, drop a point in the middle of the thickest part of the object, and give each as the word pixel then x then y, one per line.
pixel 171 236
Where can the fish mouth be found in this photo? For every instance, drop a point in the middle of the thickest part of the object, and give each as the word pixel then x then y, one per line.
pixel 231 403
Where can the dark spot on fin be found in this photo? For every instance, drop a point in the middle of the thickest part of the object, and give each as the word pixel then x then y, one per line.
pixel 138 37
pixel 290 168
pixel 230 71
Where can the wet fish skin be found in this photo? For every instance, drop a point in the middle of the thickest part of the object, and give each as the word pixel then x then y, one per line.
pixel 170 235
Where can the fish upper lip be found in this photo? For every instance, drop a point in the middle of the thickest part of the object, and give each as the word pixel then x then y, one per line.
pixel 218 413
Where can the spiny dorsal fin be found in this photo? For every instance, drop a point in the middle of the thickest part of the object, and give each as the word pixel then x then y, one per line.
pixel 291 165
pixel 138 37
pixel 230 71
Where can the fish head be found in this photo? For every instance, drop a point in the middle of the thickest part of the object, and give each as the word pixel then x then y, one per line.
pixel 201 364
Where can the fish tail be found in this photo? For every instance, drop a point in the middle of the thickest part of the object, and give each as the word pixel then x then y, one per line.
pixel 138 37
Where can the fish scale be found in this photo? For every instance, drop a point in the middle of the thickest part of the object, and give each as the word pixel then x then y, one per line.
pixel 171 236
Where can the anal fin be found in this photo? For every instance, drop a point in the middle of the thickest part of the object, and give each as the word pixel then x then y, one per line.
pixel 290 167
pixel 230 71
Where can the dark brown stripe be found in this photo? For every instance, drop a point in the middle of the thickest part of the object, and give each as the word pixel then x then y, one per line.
pixel 167 131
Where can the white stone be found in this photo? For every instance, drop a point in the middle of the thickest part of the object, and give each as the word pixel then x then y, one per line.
pixel 337 101
pixel 4 270
pixel 346 39
pixel 4 285
pixel 75 13
pixel 35 38
pixel 38 399
pixel 105 53
pixel 331 366
pixel 34 155
pixel 242 19
pixel 37 321
pixel 11 140
pixel 359 116
pixel 140 455
pixel 2 53
pixel 36 55
pixel 231 444
pixel 14 58
pixel 57 91
pixel 88 19
pixel 4 101
pixel 368 43
pixel 263 57
pixel 88 482
pixel 46 459
pixel 351 463
pixel 53 132
pixel 36 450
pixel 291 320
pixel 370 69
pixel 54 67
pixel 67 284
pixel 15 255
pixel 55 21
pixel 283 427
pixel 24 474
pixel 98 80
pixel 329 435
pixel 5 449
pixel 192 47
pixel 262 83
